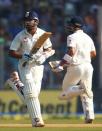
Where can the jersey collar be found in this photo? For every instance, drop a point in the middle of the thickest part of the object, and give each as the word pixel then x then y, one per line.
pixel 27 33
pixel 79 31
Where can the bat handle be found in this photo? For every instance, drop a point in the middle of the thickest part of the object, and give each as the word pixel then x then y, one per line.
pixel 24 64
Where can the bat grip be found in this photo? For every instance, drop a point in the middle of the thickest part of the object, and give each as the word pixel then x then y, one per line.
pixel 24 64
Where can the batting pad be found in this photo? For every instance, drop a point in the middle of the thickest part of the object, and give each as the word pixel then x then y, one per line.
pixel 13 86
pixel 32 100
pixel 34 108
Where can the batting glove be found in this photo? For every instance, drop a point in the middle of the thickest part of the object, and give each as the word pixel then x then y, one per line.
pixel 49 53
pixel 41 60
pixel 27 57
pixel 57 69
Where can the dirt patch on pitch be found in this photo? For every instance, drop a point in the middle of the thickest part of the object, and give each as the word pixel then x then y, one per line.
pixel 73 125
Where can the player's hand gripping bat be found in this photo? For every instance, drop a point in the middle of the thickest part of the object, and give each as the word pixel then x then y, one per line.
pixel 54 64
pixel 38 44
pixel 55 67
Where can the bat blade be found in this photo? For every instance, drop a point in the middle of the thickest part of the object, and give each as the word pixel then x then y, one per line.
pixel 40 42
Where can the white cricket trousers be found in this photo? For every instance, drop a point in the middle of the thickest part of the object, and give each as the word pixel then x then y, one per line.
pixel 32 78
pixel 81 73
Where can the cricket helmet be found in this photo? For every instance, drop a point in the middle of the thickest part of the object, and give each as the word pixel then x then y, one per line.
pixel 31 20
pixel 31 15
pixel 75 21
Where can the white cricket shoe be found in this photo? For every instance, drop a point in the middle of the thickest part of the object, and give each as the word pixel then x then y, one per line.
pixel 38 123
pixel 88 121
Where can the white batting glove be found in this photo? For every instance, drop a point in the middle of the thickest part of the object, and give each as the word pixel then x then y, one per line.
pixel 49 53
pixel 41 58
pixel 57 69
pixel 38 58
pixel 26 57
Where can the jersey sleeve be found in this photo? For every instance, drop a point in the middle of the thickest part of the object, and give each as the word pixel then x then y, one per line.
pixel 92 46
pixel 71 42
pixel 15 45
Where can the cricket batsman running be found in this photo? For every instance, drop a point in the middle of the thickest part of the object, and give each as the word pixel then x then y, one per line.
pixel 32 47
pixel 77 59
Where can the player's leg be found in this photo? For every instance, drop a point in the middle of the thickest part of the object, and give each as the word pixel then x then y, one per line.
pixel 71 92
pixel 69 86
pixel 38 80
pixel 88 108
pixel 15 83
pixel 87 97
pixel 31 96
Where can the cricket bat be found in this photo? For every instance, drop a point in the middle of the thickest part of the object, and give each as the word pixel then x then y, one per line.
pixel 38 44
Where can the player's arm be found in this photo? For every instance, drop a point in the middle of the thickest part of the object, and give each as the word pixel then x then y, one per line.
pixel 15 54
pixel 58 66
pixel 18 55
pixel 93 50
pixel 47 48
pixel 93 54
pixel 14 48
pixel 67 59
pixel 71 49
pixel 48 52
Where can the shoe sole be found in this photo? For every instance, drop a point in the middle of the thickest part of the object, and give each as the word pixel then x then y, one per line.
pixel 89 121
pixel 42 125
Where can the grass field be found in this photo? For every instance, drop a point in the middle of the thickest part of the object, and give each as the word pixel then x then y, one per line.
pixel 50 129
pixel 51 124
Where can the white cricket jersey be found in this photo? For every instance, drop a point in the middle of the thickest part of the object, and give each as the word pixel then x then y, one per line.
pixel 83 45
pixel 23 42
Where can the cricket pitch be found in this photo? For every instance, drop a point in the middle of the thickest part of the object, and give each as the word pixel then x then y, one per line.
pixel 53 125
